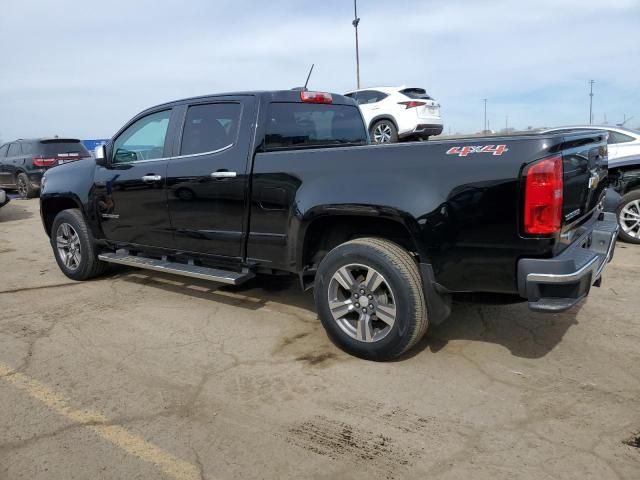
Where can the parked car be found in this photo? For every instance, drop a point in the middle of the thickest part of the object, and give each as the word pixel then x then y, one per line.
pixel 286 183
pixel 396 113
pixel 623 142
pixel 4 198
pixel 624 173
pixel 23 162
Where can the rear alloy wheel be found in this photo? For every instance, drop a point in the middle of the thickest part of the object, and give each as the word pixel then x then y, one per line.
pixel 629 217
pixel 384 131
pixel 362 303
pixel 369 297
pixel 24 186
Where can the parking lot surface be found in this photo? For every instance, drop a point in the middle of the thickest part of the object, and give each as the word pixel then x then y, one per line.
pixel 142 375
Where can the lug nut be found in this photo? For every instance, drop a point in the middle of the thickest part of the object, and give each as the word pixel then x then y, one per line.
pixel 355 295
pixel 361 291
pixel 357 305
pixel 370 297
pixel 364 310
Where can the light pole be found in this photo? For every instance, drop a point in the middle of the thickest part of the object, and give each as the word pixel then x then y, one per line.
pixel 591 82
pixel 355 23
pixel 485 114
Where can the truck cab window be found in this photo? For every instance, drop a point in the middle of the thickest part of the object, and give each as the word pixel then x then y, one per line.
pixel 210 127
pixel 143 140
pixel 300 125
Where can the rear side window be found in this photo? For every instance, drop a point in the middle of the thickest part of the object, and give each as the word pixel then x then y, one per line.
pixel 27 148
pixel 14 150
pixel 308 125
pixel 210 127
pixel 416 93
pixel 617 137
pixel 369 96
pixel 53 148
pixel 3 151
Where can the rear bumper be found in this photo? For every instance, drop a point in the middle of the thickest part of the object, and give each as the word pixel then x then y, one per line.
pixel 424 130
pixel 558 283
pixel 4 198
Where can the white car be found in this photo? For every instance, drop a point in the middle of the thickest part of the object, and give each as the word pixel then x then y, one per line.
pixel 394 113
pixel 622 142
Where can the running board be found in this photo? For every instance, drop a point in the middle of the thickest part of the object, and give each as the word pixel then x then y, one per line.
pixel 230 277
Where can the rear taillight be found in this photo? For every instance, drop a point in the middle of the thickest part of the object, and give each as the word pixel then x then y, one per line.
pixel 543 196
pixel 44 162
pixel 315 97
pixel 412 104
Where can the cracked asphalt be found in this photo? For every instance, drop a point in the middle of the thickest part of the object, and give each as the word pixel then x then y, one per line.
pixel 139 375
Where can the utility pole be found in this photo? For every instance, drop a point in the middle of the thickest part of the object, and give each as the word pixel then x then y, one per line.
pixel 591 82
pixel 355 23
pixel 485 114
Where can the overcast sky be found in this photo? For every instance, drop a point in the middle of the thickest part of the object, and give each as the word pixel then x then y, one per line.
pixel 82 68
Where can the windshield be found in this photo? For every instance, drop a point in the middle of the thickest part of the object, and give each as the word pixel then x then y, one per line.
pixel 307 125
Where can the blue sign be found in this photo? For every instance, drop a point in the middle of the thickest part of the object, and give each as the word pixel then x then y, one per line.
pixel 92 144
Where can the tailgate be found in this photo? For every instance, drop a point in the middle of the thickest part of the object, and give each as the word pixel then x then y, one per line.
pixel 584 160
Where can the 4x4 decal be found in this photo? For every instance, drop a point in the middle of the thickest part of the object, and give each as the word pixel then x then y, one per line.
pixel 464 151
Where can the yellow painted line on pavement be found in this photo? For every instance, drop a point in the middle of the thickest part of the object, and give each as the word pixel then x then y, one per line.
pixel 115 434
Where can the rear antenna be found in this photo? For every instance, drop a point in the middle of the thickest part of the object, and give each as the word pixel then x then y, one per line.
pixel 308 77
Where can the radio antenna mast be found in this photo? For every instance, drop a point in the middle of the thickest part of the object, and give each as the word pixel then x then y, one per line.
pixel 308 77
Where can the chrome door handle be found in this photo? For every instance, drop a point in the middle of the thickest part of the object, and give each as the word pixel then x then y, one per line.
pixel 223 174
pixel 151 178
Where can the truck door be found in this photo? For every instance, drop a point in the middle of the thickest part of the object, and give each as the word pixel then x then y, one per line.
pixel 208 177
pixel 130 191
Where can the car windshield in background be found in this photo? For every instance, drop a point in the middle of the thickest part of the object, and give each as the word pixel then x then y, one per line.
pixel 56 147
pixel 306 125
pixel 416 93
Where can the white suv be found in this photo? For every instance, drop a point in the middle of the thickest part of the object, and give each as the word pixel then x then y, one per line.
pixel 394 113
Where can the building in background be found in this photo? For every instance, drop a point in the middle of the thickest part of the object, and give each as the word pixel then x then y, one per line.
pixel 92 144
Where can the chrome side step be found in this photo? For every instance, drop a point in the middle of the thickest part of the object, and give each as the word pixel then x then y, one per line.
pixel 122 257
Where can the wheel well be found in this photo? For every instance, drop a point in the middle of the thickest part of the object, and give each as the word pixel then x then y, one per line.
pixel 383 117
pixel 625 179
pixel 326 233
pixel 53 207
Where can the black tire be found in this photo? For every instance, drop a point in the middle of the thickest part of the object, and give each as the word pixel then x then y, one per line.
pixel 89 266
pixel 386 126
pixel 400 272
pixel 630 203
pixel 25 189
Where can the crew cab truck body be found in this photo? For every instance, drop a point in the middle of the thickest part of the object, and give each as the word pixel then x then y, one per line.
pixel 226 186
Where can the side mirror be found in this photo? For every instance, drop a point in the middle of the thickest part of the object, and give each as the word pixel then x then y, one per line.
pixel 100 153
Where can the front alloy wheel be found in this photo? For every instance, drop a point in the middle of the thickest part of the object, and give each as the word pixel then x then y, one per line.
pixel 74 247
pixel 68 245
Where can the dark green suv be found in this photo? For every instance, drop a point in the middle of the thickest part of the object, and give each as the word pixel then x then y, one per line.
pixel 23 162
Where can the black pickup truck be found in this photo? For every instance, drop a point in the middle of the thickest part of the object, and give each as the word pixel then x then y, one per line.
pixel 226 186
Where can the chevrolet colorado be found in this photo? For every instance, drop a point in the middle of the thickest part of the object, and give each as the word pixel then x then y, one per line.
pixel 223 187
